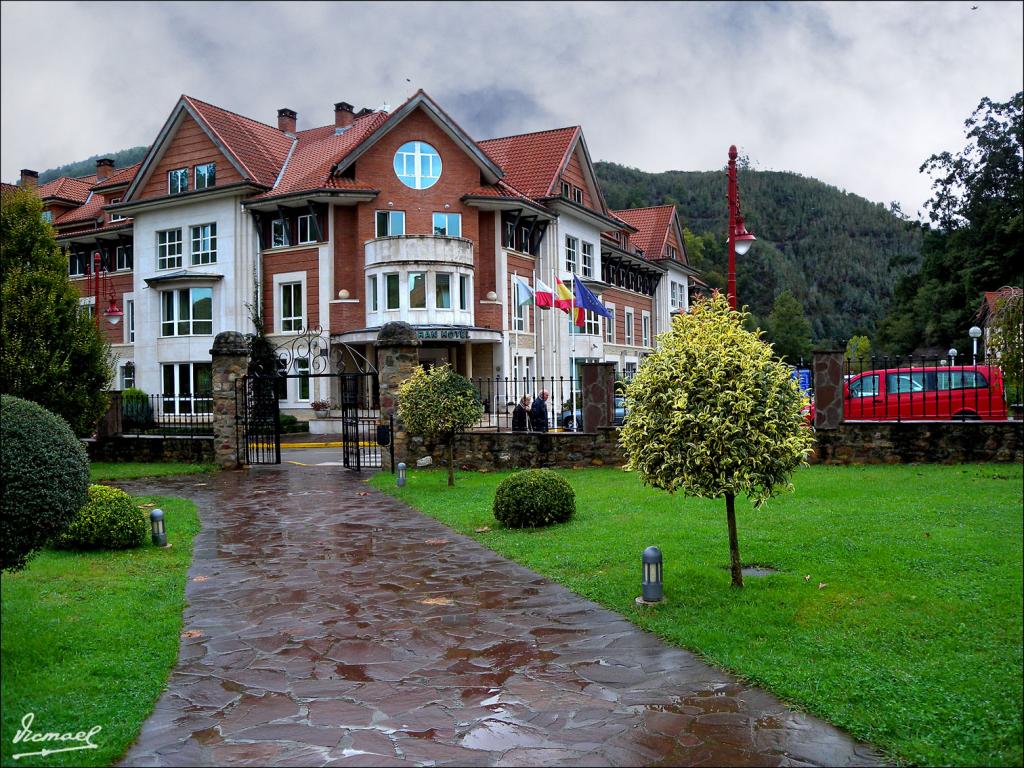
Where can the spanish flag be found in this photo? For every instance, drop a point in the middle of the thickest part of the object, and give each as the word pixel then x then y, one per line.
pixel 563 296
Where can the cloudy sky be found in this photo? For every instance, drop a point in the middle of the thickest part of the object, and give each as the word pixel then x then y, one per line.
pixel 857 95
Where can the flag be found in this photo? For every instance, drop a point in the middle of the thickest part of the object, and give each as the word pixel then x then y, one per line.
pixel 543 296
pixel 588 301
pixel 524 295
pixel 563 296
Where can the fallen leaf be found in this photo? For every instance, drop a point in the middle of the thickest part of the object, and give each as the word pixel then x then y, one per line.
pixel 146 506
pixel 192 633
pixel 200 578
pixel 822 585
pixel 436 541
pixel 485 529
pixel 363 493
pixel 437 601
pixel 807 577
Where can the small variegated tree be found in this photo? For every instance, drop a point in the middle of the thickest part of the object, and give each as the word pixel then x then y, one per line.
pixel 439 404
pixel 712 412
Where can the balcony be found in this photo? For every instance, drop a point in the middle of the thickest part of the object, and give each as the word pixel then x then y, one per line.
pixel 406 250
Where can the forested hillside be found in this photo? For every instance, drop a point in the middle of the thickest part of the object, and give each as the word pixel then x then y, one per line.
pixel 837 253
pixel 84 167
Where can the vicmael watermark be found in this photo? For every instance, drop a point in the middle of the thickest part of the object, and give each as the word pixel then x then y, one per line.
pixel 27 736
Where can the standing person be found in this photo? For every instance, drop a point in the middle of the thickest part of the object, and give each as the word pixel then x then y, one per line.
pixel 520 421
pixel 539 412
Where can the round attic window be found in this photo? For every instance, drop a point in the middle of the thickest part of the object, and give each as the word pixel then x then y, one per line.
pixel 417 165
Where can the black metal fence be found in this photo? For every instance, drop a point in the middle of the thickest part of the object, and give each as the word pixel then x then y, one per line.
pixel 952 388
pixel 166 415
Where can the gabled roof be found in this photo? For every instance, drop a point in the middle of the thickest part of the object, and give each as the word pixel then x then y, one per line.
pixel 989 299
pixel 316 153
pixel 74 190
pixel 119 177
pixel 255 149
pixel 652 225
pixel 532 162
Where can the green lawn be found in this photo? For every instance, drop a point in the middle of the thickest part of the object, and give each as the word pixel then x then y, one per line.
pixel 914 643
pixel 89 638
pixel 99 470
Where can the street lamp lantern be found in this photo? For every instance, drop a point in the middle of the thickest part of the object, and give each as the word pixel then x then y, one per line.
pixel 740 239
pixel 101 280
pixel 975 334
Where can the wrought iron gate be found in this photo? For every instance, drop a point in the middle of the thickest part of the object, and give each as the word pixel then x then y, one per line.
pixel 354 387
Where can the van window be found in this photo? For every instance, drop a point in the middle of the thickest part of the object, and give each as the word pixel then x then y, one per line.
pixel 961 380
pixel 901 383
pixel 866 386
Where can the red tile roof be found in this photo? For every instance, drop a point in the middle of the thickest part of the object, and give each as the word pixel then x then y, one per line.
pixel 652 224
pixel 67 188
pixel 532 161
pixel 91 210
pixel 90 230
pixel 317 151
pixel 119 176
pixel 261 149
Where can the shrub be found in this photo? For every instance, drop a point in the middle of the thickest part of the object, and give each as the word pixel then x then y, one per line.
pixel 136 411
pixel 533 498
pixel 110 520
pixel 45 475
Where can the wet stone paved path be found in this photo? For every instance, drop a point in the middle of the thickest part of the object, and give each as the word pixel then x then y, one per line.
pixel 328 624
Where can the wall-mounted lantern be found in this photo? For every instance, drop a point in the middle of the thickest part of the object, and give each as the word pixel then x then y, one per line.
pixel 401 474
pixel 156 522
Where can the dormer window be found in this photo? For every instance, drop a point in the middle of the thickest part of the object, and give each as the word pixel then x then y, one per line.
pixel 671 252
pixel 206 175
pixel 566 190
pixel 177 181
pixel 577 195
pixel 48 217
pixel 116 216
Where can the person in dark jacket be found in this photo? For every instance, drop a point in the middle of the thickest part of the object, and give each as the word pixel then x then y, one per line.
pixel 539 412
pixel 520 420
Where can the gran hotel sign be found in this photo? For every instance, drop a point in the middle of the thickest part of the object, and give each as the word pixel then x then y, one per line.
pixel 443 334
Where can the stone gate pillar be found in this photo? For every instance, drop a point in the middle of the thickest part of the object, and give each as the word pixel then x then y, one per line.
pixel 397 357
pixel 230 362
pixel 828 388
pixel 598 386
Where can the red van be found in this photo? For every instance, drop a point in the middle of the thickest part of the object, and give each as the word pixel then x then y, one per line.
pixel 940 393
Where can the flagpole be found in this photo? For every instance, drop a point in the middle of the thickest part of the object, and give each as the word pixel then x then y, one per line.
pixel 572 351
pixel 515 341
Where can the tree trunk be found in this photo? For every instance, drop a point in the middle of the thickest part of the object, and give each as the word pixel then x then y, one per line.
pixel 451 462
pixel 734 543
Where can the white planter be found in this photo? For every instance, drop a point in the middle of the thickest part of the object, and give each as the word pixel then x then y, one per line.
pixel 325 426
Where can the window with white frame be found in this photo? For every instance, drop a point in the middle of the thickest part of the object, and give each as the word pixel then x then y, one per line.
pixel 592 324
pixel 587 249
pixel 524 239
pixel 371 293
pixel 206 175
pixel 302 382
pixel 609 324
pixel 187 388
pixel 177 181
pixel 628 318
pixel 577 195
pixel 168 249
pixel 671 252
pixel 645 329
pixel 129 321
pixel 448 224
pixel 464 292
pixel 566 190
pixel 115 216
pixel 417 165
pixel 390 223
pixel 392 298
pixel 442 291
pixel 127 376
pixel 510 234
pixel 292 315
pixel 48 217
pixel 186 312
pixel 307 232
pixel 417 290
pixel 87 307
pixel 204 243
pixel 78 263
pixel 123 257
pixel 279 234
pixel 572 247
pixel 678 295
pixel 519 317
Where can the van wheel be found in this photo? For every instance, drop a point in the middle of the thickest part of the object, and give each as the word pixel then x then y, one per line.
pixel 966 416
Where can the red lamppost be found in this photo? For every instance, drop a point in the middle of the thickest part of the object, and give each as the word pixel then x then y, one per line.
pixel 739 239
pixel 100 278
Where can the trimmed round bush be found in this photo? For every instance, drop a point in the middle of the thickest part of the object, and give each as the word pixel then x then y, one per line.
pixel 110 520
pixel 45 476
pixel 533 498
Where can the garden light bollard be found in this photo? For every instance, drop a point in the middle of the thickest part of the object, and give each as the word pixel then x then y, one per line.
pixel 156 522
pixel 401 474
pixel 651 586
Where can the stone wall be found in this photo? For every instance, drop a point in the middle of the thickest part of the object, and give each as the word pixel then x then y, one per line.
pixel 151 448
pixel 935 442
pixel 524 450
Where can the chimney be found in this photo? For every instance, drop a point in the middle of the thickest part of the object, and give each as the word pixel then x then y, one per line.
pixel 343 116
pixel 286 120
pixel 29 179
pixel 104 169
pixel 364 111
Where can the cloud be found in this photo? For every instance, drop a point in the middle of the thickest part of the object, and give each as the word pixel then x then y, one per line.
pixel 857 95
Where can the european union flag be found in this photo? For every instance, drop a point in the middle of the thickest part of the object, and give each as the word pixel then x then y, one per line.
pixel 588 301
